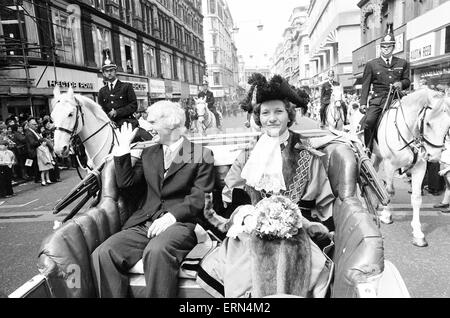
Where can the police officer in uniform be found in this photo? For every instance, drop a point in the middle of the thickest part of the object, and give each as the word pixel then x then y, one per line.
pixel 325 96
pixel 381 72
pixel 210 101
pixel 117 99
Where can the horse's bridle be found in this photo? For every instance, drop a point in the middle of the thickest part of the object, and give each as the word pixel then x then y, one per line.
pixel 72 133
pixel 419 141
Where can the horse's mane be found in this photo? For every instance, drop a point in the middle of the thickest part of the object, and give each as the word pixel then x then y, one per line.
pixel 421 97
pixel 94 107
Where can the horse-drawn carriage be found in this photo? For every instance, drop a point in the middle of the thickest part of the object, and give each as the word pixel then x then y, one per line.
pixel 360 269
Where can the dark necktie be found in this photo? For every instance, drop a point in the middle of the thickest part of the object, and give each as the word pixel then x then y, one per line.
pixel 111 86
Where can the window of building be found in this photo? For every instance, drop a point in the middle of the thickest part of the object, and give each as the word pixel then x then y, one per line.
pixel 220 11
pixel 212 6
pixel 189 72
pixel 214 39
pixel 67 30
pixel 215 57
pixel 11 32
pixel 216 78
pixel 447 39
pixel 306 49
pixel 307 70
pixel 180 69
pixel 102 40
pixel 166 65
pixel 149 61
pixel 114 10
pixel 128 50
pixel 196 74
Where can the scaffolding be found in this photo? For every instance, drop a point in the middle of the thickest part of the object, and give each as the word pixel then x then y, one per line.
pixel 15 53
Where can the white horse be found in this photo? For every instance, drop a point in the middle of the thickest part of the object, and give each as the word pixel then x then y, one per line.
pixel 75 114
pixel 335 112
pixel 410 134
pixel 206 119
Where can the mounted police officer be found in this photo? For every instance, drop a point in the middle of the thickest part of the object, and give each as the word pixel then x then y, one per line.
pixel 325 96
pixel 382 72
pixel 210 101
pixel 117 99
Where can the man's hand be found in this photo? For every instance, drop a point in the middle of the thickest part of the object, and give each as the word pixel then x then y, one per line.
pixel 112 114
pixel 125 135
pixel 398 85
pixel 160 225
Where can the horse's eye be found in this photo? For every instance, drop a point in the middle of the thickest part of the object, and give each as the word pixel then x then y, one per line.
pixel 428 124
pixel 70 115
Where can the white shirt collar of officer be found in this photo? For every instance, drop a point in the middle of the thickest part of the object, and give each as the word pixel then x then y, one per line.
pixel 387 61
pixel 113 83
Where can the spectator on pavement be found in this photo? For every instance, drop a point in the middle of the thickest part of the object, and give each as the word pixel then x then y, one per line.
pixel 45 161
pixel 7 161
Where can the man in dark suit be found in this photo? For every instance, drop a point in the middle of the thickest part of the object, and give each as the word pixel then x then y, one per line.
pixel 176 175
pixel 381 73
pixel 32 143
pixel 210 100
pixel 325 96
pixel 117 99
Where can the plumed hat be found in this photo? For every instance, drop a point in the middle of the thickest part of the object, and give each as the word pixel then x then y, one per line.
pixel 107 63
pixel 277 88
pixel 389 38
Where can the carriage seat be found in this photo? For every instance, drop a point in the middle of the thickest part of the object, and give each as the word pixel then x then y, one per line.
pixel 64 257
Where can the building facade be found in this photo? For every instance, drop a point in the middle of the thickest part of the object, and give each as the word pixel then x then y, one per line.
pixel 422 36
pixel 286 60
pixel 157 45
pixel 334 32
pixel 220 50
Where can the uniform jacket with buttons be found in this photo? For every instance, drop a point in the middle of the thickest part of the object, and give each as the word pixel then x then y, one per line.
pixel 326 92
pixel 380 75
pixel 122 98
pixel 181 192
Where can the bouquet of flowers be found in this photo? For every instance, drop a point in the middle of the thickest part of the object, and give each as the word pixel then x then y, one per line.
pixel 272 218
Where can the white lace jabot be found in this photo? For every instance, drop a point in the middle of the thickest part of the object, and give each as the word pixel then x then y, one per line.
pixel 263 170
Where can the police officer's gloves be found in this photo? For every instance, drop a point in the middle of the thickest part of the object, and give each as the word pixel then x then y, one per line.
pixel 398 85
pixel 363 109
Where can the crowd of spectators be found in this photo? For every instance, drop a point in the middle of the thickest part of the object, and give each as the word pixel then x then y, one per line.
pixel 30 140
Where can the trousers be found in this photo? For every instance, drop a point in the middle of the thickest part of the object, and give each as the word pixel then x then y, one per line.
pixel 162 257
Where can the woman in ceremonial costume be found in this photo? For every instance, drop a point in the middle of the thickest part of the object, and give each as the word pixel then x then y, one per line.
pixel 281 163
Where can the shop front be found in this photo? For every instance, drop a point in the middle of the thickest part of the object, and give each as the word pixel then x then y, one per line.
pixel 193 90
pixel 157 90
pixel 176 91
pixel 36 101
pixel 430 59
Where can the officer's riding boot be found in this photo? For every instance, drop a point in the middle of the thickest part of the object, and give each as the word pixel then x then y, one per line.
pixel 367 141
pixel 322 116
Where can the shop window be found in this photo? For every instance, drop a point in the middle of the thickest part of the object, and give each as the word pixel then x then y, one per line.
pixel 67 29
